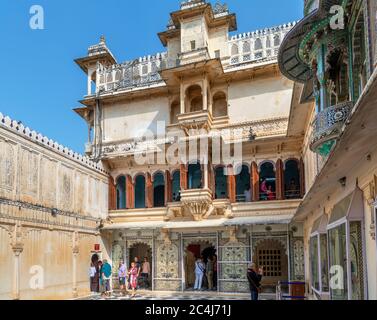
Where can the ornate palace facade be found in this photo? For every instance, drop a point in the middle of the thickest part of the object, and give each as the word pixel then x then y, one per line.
pixel 211 85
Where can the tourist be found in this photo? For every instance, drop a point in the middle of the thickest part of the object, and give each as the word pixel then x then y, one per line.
pixel 254 279
pixel 247 194
pixel 145 271
pixel 292 190
pixel 122 276
pixel 270 194
pixel 199 273
pixel 209 271
pixel 106 277
pixel 264 190
pixel 94 284
pixel 134 275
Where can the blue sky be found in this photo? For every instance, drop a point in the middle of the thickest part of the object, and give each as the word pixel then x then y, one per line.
pixel 40 84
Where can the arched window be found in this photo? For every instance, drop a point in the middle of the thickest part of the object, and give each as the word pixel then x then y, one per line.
pixel 221 184
pixel 194 176
pixel 268 42
pixel 176 186
pixel 292 180
pixel 258 44
pixel 144 69
pixel 121 193
pixel 158 190
pixel 220 105
pixel 194 99
pixel 140 192
pixel 246 47
pixel 235 50
pixel 267 181
pixel 174 112
pixel 243 191
pixel 276 40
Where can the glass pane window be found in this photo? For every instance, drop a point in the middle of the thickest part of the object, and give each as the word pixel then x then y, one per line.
pixel 338 262
pixel 356 260
pixel 314 262
pixel 324 263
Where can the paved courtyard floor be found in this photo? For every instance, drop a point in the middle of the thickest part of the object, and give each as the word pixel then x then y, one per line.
pixel 204 296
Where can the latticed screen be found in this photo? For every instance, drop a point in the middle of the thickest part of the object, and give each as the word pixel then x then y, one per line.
pixel 270 260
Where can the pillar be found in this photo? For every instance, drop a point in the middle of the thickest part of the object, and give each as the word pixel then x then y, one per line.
pixel 183 98
pixel 75 253
pixel 255 178
pixel 279 180
pixel 17 248
pixel 231 185
pixel 16 272
pixel 112 194
pixel 148 191
pixel 130 202
pixel 211 181
pixel 302 178
pixel 183 177
pixel 168 188
pixel 205 174
pixel 205 94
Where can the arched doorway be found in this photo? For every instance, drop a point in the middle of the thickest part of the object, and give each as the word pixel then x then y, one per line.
pixel 292 180
pixel 267 181
pixel 243 192
pixel 140 192
pixel 272 256
pixel 141 251
pixel 221 185
pixel 194 250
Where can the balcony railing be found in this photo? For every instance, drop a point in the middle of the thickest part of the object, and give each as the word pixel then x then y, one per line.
pixel 327 127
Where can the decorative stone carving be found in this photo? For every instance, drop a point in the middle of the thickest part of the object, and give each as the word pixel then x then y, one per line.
pixel 299 260
pixel 29 173
pixel 167 261
pixel 7 167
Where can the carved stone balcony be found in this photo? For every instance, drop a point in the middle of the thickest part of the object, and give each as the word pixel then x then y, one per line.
pixel 198 202
pixel 195 120
pixel 197 55
pixel 327 127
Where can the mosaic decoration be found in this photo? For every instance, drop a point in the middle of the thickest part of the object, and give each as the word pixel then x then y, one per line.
pixel 167 261
pixel 298 262
pixel 233 267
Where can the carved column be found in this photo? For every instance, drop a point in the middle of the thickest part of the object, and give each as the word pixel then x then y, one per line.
pixel 17 247
pixel 148 191
pixel 205 176
pixel 279 180
pixel 168 188
pixel 255 178
pixel 183 98
pixel 211 181
pixel 302 178
pixel 183 177
pixel 231 185
pixel 112 194
pixel 75 253
pixel 130 193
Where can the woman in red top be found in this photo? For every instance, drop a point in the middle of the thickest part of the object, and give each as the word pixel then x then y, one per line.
pixel 134 274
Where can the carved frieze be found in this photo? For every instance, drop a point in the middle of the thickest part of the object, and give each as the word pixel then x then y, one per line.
pixel 7 165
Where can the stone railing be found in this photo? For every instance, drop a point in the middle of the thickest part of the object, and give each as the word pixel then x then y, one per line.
pixel 327 126
pixel 138 73
pixel 18 128
pixel 257 45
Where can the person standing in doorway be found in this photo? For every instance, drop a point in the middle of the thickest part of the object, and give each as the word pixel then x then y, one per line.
pixel 209 270
pixel 146 271
pixel 106 277
pixel 199 273
pixel 254 279
pixel 94 284
pixel 134 275
pixel 122 276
